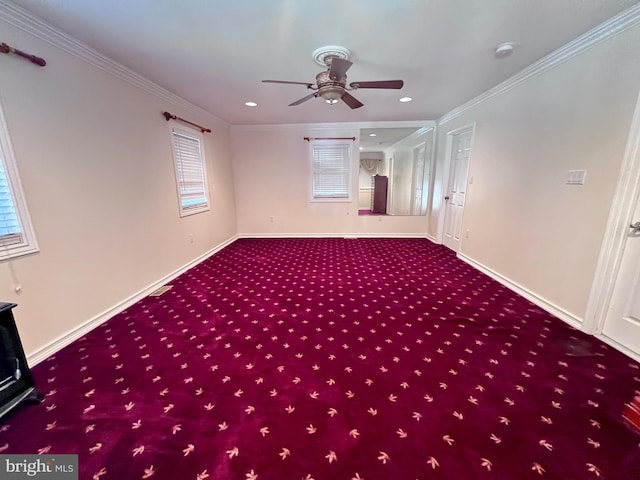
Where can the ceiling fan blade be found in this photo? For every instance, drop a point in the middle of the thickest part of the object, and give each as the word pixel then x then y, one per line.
pixel 394 84
pixel 303 99
pixel 339 67
pixel 352 101
pixel 309 85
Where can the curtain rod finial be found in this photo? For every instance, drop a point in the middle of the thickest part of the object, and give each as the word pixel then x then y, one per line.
pixel 4 48
pixel 168 116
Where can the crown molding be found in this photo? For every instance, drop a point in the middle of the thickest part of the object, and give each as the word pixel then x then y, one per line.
pixel 29 23
pixel 610 28
pixel 333 126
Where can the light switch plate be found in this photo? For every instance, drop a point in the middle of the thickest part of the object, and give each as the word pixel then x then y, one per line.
pixel 576 177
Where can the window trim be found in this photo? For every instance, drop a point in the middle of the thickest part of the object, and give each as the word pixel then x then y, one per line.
pixel 28 243
pixel 195 134
pixel 330 144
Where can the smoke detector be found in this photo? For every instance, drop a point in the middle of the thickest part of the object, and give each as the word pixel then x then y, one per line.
pixel 504 49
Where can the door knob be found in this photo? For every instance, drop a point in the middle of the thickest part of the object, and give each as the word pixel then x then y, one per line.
pixel 635 226
pixel 447 197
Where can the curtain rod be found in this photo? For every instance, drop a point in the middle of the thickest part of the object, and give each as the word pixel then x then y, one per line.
pixel 4 48
pixel 169 116
pixel 308 139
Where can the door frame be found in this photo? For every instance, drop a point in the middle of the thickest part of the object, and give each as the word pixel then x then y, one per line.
pixel 447 175
pixel 414 163
pixel 625 198
pixel 391 166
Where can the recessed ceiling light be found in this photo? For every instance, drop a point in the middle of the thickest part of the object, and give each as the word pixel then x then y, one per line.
pixel 373 134
pixel 504 49
pixel 251 104
pixel 406 99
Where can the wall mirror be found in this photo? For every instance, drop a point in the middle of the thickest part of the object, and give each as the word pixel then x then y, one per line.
pixel 395 171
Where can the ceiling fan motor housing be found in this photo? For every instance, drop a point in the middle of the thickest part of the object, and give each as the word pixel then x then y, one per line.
pixel 330 89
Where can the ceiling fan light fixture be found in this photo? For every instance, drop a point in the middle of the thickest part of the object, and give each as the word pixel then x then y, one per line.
pixel 331 93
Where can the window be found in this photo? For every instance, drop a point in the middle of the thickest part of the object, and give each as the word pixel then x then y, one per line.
pixel 331 173
pixel 16 232
pixel 191 177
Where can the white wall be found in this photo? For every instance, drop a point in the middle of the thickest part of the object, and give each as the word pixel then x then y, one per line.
pixel 401 161
pixel 94 155
pixel 272 181
pixel 524 222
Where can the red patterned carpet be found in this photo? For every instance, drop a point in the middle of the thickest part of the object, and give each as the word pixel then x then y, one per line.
pixel 334 359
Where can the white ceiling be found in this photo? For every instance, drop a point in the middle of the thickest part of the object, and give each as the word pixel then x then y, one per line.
pixel 215 53
pixel 379 139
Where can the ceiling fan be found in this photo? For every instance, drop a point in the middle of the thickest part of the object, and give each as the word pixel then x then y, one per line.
pixel 331 84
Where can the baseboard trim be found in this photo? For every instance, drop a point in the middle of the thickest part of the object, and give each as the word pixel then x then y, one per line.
pixel 65 339
pixel 621 348
pixel 547 306
pixel 334 235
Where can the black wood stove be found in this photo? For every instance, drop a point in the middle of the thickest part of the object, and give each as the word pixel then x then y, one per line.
pixel 16 382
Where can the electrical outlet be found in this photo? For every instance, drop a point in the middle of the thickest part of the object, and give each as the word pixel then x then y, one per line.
pixel 271 219
pixel 191 238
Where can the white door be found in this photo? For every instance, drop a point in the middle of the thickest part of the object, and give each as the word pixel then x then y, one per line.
pixel 622 322
pixel 457 190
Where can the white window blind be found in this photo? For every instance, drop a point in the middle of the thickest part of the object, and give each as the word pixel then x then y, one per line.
pixel 190 172
pixel 331 172
pixel 10 231
pixel 16 232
